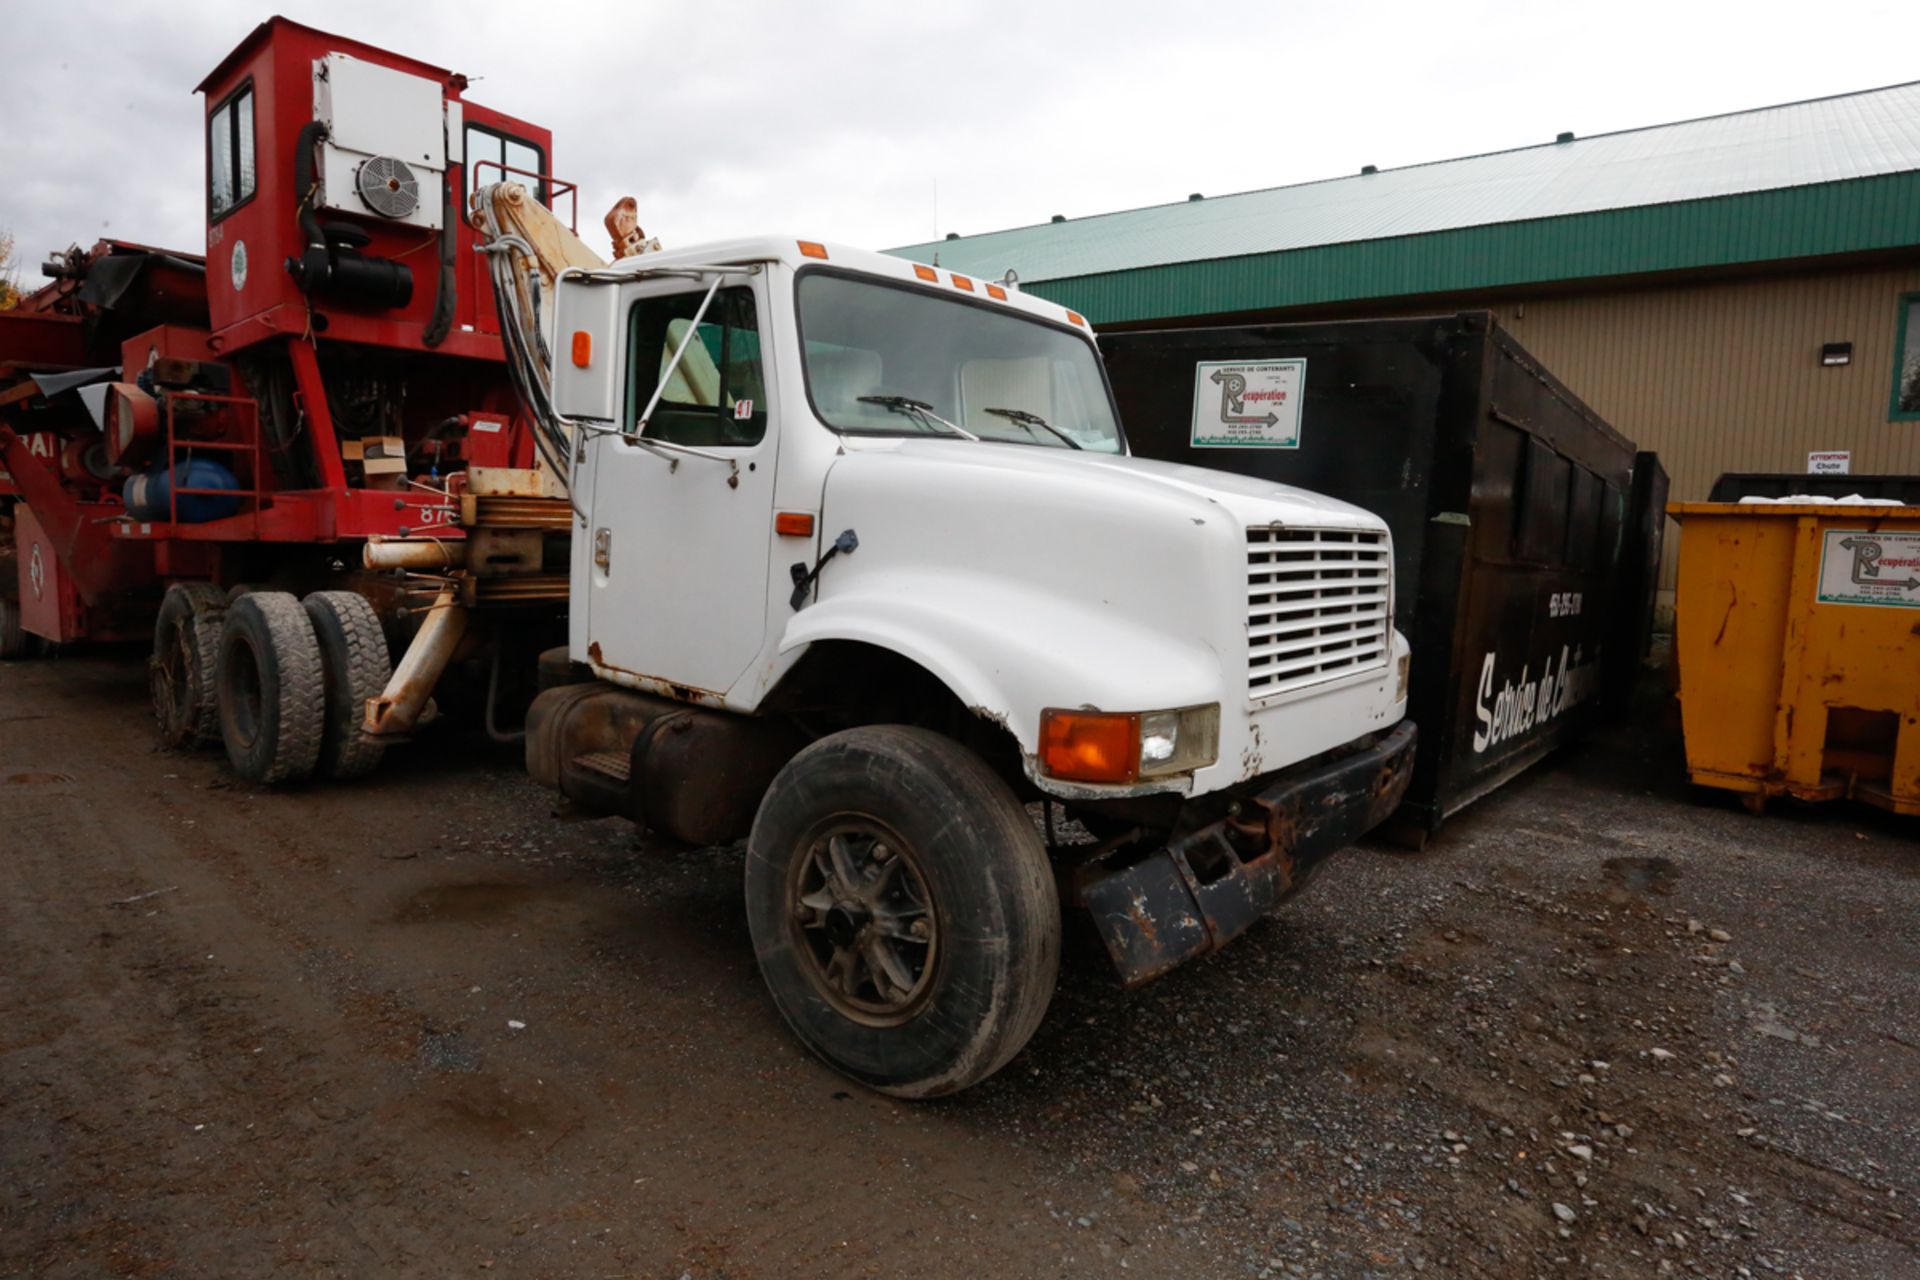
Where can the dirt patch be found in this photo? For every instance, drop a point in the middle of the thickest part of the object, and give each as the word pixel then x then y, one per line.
pixel 466 903
pixel 1642 875
pixel 1596 1028
pixel 36 778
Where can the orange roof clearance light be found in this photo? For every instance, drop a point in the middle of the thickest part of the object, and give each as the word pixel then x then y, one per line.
pixel 995 291
pixel 813 249
pixel 1090 746
pixel 961 282
pixel 582 348
pixel 1077 318
pixel 926 273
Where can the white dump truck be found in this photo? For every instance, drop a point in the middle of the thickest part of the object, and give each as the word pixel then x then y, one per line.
pixel 862 570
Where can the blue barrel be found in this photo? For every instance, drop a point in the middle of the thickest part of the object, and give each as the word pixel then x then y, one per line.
pixel 149 495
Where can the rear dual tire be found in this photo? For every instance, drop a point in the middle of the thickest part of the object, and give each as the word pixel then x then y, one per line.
pixel 182 672
pixel 272 688
pixel 355 667
pixel 14 641
pixel 293 682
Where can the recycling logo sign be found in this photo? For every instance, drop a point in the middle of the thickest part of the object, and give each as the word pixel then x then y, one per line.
pixel 1862 566
pixel 1248 405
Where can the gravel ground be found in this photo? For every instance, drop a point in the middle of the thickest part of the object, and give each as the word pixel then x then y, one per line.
pixel 419 1027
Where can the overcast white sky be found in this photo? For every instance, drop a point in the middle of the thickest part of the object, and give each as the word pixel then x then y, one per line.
pixel 838 120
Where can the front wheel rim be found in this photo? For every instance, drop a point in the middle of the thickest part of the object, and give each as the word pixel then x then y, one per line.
pixel 864 922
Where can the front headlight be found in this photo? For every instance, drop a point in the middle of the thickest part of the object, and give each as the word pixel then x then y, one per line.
pixel 1122 747
pixel 1179 741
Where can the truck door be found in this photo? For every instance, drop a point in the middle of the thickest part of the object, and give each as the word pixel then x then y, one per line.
pixel 680 540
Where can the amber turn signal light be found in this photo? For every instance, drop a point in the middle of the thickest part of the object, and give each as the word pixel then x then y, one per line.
pixel 1090 746
pixel 793 524
pixel 582 348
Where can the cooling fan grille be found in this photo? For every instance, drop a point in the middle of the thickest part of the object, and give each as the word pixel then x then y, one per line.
pixel 388 187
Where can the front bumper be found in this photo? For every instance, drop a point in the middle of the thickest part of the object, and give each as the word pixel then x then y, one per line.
pixel 1205 887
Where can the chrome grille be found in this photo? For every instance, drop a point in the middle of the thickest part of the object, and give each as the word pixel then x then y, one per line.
pixel 1318 606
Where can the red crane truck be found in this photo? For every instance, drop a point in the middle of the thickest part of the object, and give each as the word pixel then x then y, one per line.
pixel 187 438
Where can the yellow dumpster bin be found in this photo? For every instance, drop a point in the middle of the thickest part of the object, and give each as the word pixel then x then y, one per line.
pixel 1798 643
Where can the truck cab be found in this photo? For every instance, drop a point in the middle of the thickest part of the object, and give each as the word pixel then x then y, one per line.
pixel 862 568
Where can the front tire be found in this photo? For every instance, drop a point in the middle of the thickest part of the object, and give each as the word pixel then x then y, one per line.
pixel 272 688
pixel 903 911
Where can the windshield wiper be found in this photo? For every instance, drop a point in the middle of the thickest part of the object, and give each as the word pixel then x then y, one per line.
pixel 918 409
pixel 1032 420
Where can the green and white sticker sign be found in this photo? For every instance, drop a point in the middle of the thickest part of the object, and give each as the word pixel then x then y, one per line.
pixel 1859 566
pixel 1248 404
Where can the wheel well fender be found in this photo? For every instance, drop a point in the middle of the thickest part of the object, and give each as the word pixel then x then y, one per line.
pixel 1005 659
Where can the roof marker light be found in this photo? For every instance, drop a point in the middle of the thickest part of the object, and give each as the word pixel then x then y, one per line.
pixel 995 291
pixel 926 273
pixel 961 282
pixel 813 249
pixel 1077 318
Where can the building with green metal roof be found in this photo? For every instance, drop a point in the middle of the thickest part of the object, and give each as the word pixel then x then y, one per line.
pixel 1836 175
pixel 1734 291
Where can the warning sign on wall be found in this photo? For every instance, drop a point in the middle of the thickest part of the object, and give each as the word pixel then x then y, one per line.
pixel 1860 567
pixel 1254 405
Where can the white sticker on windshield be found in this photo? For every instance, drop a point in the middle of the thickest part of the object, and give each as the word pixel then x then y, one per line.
pixel 1248 405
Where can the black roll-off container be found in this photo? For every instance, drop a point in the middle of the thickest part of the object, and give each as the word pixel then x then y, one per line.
pixel 1526 530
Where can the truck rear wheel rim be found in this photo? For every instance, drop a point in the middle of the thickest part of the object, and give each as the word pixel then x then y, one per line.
pixel 864 922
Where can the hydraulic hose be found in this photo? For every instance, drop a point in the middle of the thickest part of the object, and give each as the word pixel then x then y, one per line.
pixel 311 135
pixel 445 295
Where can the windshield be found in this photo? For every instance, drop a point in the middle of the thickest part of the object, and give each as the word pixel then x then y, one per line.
pixel 873 351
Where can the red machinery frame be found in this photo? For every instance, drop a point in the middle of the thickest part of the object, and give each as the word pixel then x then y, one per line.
pixel 203 313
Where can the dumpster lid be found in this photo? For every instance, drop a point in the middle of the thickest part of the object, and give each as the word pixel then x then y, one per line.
pixel 1777 507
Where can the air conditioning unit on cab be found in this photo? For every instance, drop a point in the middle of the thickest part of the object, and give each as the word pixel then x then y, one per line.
pixel 385 155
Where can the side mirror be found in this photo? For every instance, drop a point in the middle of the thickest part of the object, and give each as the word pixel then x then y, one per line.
pixel 586 392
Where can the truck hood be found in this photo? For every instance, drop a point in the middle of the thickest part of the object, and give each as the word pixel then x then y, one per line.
pixel 1032 577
